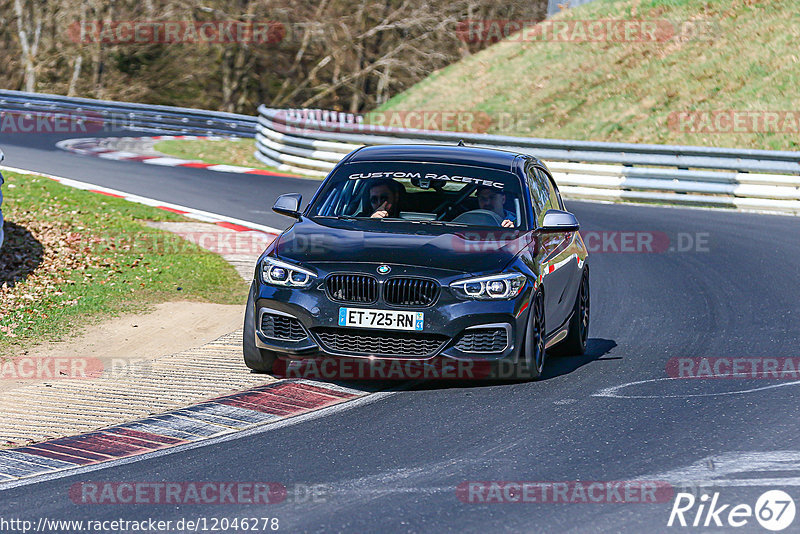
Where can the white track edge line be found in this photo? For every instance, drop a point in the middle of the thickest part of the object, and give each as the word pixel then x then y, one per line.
pixel 145 200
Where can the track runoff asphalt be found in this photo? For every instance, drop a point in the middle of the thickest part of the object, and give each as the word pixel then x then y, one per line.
pixel 615 440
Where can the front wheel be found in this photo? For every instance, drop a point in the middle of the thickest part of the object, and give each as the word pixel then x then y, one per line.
pixel 532 359
pixel 255 358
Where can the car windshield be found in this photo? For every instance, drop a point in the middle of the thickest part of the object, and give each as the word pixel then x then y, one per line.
pixel 420 193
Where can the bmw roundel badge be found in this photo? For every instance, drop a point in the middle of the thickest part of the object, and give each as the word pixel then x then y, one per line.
pixel 384 269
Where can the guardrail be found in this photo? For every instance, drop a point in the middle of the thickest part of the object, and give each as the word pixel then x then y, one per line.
pixel 313 141
pixel 113 116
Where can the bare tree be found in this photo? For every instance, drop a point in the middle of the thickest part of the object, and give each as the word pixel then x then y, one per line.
pixel 341 54
pixel 29 30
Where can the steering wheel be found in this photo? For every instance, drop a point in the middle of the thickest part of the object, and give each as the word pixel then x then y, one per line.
pixel 480 218
pixel 447 206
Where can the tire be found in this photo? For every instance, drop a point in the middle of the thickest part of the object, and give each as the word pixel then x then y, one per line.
pixel 534 355
pixel 255 358
pixel 575 342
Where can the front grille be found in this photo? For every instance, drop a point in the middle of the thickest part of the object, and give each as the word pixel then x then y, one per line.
pixel 483 340
pixel 344 340
pixel 410 292
pixel 355 288
pixel 282 327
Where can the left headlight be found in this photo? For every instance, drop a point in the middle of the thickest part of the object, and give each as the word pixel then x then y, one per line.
pixel 280 273
pixel 493 287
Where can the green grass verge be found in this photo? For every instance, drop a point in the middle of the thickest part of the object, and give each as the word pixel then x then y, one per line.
pixel 745 59
pixel 73 258
pixel 218 152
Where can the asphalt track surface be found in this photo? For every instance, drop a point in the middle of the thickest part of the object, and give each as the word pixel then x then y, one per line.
pixel 393 464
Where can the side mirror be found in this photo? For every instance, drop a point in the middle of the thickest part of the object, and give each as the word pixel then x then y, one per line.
pixel 559 221
pixel 288 204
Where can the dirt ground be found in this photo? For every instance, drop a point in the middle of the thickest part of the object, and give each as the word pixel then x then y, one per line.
pixel 172 327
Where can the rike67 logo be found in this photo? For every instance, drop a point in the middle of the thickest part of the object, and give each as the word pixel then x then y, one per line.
pixel 774 510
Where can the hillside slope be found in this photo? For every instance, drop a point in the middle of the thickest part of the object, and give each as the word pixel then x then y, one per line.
pixel 736 82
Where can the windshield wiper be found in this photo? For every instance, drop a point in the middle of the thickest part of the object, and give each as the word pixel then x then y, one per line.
pixel 441 223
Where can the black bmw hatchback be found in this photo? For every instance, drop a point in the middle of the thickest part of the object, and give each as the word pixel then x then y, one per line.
pixel 422 252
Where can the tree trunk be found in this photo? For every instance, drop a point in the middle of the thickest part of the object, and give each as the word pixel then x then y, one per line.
pixel 29 30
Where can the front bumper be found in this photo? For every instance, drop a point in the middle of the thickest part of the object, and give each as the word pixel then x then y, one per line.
pixel 446 324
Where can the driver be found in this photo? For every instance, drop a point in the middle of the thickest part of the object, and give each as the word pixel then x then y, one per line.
pixel 491 199
pixel 384 197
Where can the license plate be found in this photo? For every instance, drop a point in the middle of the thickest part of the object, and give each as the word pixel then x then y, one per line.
pixel 386 319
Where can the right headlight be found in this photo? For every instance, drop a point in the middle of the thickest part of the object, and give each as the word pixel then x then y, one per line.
pixel 492 287
pixel 280 273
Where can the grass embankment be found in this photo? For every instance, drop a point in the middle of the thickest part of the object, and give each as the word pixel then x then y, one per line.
pixel 745 58
pixel 72 258
pixel 218 152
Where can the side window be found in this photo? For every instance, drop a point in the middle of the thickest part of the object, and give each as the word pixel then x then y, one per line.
pixel 540 193
pixel 554 198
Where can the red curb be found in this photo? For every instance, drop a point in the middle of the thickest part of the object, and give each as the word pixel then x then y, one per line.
pixel 324 391
pixel 100 445
pixel 266 407
pixel 134 442
pixel 232 226
pixel 259 398
pixel 141 158
pixel 295 391
pixel 288 400
pixel 196 165
pixel 104 193
pixel 84 149
pixel 272 173
pixel 61 449
pixel 173 210
pixel 55 455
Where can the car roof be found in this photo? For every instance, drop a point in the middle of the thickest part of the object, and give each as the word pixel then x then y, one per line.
pixel 452 154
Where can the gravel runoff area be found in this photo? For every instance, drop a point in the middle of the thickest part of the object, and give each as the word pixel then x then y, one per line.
pixel 70 400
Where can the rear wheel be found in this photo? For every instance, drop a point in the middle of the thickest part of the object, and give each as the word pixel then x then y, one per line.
pixel 255 358
pixel 575 342
pixel 533 356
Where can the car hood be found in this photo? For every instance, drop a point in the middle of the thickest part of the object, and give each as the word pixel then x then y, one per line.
pixel 348 241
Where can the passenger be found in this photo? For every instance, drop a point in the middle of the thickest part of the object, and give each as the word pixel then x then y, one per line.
pixel 494 200
pixel 384 197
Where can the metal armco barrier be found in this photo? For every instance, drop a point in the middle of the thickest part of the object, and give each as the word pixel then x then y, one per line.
pixel 313 141
pixel 120 116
